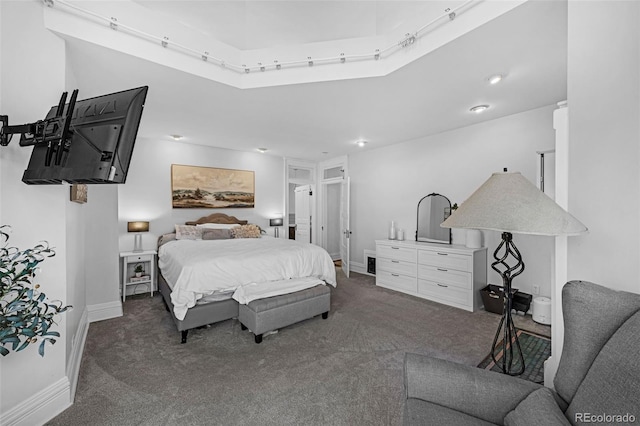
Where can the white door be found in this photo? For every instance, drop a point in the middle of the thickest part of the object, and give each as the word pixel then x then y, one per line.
pixel 345 200
pixel 331 228
pixel 303 213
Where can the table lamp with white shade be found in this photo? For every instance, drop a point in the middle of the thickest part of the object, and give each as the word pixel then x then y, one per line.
pixel 276 223
pixel 137 227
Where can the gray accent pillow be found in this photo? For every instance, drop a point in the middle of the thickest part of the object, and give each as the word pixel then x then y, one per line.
pixel 216 234
pixel 165 238
pixel 539 408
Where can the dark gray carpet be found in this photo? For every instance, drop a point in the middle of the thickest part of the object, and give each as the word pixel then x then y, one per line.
pixel 345 370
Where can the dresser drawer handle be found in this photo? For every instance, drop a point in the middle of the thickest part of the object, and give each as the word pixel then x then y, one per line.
pixel 395 275
pixel 443 254
pixel 442 285
pixel 395 261
pixel 395 248
pixel 443 270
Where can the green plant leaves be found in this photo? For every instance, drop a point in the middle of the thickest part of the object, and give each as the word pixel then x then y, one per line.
pixel 25 312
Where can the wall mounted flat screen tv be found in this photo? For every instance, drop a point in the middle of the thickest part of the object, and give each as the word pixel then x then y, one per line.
pixel 98 145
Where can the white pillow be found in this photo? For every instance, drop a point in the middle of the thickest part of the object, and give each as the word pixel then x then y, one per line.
pixel 188 232
pixel 217 225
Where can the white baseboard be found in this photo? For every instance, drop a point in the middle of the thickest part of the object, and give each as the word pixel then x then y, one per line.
pixel 104 311
pixel 41 407
pixel 73 366
pixel 53 400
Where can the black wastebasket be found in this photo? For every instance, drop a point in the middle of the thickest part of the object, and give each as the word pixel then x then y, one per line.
pixel 493 298
pixel 521 302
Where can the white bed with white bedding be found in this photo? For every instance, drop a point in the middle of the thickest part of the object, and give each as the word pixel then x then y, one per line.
pixel 246 268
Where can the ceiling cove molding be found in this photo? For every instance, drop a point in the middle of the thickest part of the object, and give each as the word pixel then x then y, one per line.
pixel 171 44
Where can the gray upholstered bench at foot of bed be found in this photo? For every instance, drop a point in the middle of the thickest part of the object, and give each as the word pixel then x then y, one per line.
pixel 272 313
pixel 199 315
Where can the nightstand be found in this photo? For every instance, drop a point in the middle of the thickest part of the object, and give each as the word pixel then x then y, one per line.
pixel 141 260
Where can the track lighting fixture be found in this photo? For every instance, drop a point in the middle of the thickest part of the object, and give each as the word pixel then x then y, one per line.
pixel 408 40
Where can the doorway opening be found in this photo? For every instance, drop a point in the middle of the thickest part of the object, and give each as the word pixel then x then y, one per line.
pixel 333 211
pixel 298 174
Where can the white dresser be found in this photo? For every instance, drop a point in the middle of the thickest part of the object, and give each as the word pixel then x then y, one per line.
pixel 449 274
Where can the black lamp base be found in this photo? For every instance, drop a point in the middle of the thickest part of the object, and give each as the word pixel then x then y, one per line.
pixel 510 344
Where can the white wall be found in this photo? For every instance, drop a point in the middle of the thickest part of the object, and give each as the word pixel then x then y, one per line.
pixel 100 241
pixel 75 256
pixel 604 130
pixel 147 193
pixel 34 389
pixel 1 105
pixel 387 183
pixel 30 84
pixel 76 252
pixel 102 277
pixel 603 95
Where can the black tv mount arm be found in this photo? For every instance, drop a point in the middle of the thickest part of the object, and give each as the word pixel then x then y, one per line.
pixel 54 131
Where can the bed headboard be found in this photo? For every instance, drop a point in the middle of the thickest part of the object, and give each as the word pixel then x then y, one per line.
pixel 212 218
pixel 218 218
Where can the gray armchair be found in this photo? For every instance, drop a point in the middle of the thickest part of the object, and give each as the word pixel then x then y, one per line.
pixel 598 374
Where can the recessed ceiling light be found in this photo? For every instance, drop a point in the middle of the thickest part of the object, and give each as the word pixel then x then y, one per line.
pixel 176 137
pixel 262 150
pixel 479 108
pixel 495 79
pixel 361 143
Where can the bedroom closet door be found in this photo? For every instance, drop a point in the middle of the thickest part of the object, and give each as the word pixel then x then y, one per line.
pixel 303 213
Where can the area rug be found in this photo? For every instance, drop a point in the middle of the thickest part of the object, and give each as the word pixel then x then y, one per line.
pixel 535 349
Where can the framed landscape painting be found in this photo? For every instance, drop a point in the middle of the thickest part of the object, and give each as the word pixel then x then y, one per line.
pixel 194 187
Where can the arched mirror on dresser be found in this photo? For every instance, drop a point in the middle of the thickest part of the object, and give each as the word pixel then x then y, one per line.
pixel 432 211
